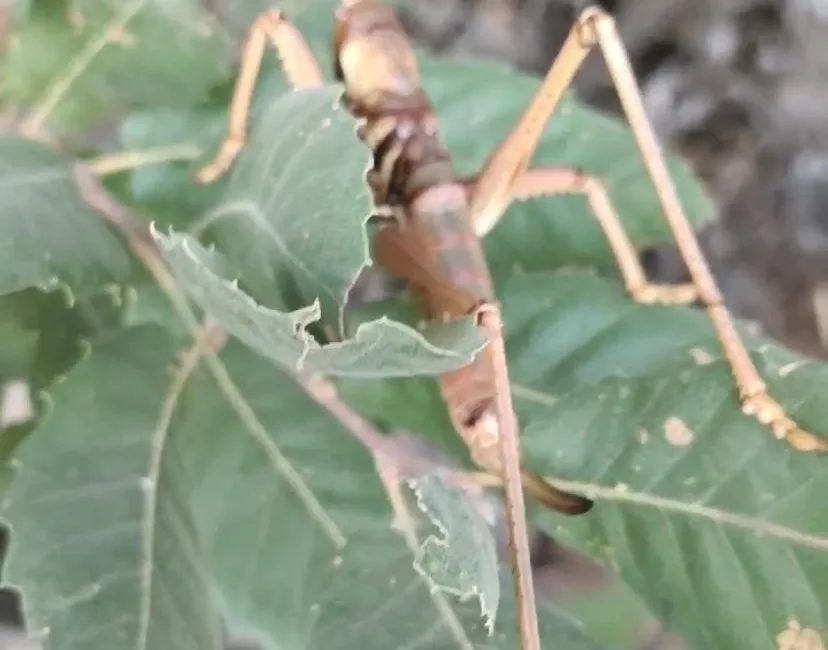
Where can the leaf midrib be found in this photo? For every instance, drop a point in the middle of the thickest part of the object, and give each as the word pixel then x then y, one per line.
pixel 709 513
pixel 150 491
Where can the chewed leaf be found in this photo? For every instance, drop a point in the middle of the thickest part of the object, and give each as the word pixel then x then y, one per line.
pixel 133 508
pixel 274 537
pixel 295 208
pixel 462 560
pixel 48 235
pixel 380 348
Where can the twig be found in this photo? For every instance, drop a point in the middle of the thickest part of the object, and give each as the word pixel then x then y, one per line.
pixel 6 20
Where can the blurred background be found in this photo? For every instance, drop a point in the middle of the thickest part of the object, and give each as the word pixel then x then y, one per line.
pixel 740 88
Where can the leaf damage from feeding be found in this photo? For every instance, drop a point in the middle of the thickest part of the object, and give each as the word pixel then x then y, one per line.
pixel 300 225
pixel 50 237
pixel 379 348
pixel 99 513
pixel 462 561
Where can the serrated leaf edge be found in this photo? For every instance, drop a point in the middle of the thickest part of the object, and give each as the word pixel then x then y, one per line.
pixel 486 612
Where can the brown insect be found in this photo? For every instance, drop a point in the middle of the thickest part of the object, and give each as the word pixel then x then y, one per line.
pixel 429 240
pixel 432 236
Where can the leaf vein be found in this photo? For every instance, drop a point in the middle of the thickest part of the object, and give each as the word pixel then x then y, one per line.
pixel 63 83
pixel 760 620
pixel 716 515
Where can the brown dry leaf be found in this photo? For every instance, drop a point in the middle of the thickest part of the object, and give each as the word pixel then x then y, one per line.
pixel 795 637
pixel 677 432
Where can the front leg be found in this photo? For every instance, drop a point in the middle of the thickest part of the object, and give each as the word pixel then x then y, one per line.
pixel 301 70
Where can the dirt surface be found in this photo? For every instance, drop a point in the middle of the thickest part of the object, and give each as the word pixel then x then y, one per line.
pixel 739 87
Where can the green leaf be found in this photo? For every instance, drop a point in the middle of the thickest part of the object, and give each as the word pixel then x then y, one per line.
pixel 292 218
pixel 697 504
pixel 128 502
pixel 384 603
pixel 168 191
pixel 50 237
pixel 461 559
pixel 18 343
pixel 63 328
pixel 100 56
pixel 380 348
pixel 103 543
pixel 694 498
pixel 273 509
pixel 479 102
pixel 42 336
pixel 169 187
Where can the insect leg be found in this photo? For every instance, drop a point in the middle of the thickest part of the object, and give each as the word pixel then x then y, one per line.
pixel 491 194
pixel 549 181
pixel 301 70
pixel 753 394
pixel 509 446
pixel 501 176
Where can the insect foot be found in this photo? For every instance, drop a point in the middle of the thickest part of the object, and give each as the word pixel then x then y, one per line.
pixel 769 412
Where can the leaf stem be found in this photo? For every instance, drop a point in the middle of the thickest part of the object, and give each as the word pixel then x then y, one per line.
pixel 126 160
pixel 188 362
pixel 142 245
pixel 34 123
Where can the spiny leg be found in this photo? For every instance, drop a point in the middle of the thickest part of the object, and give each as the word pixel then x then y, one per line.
pixel 301 70
pixel 509 446
pixel 548 181
pixel 503 171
